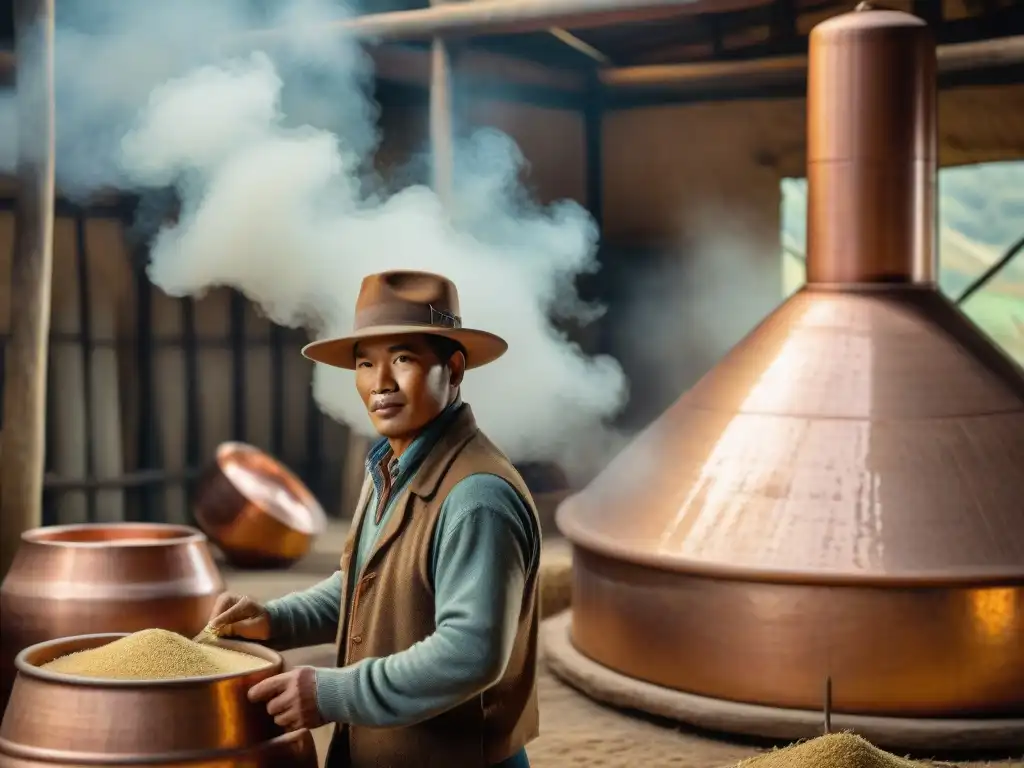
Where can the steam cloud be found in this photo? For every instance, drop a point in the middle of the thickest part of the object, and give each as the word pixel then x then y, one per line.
pixel 268 149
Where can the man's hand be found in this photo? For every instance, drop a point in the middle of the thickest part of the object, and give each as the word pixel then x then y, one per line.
pixel 290 698
pixel 239 616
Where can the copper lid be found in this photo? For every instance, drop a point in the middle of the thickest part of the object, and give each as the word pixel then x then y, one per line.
pixel 851 436
pixel 268 485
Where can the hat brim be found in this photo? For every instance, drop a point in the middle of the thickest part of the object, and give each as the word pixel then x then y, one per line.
pixel 481 347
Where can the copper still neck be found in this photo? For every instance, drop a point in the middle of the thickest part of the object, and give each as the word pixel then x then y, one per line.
pixel 871 150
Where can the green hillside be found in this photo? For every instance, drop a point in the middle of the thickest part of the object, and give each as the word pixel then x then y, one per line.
pixel 985 203
pixel 982 205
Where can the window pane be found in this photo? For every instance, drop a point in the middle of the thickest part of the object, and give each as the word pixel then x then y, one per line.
pixel 981 215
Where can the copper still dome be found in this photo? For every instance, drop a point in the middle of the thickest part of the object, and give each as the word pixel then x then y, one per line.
pixel 842 497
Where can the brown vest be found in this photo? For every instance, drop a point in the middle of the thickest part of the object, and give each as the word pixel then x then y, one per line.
pixel 392 608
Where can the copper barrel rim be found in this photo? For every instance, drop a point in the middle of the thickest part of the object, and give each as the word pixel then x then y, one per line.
pixel 48 535
pixel 579 536
pixel 178 758
pixel 293 483
pixel 75 643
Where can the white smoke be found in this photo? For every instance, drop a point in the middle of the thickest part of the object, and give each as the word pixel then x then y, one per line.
pixel 268 148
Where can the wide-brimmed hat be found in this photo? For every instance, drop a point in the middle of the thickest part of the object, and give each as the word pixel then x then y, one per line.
pixel 403 302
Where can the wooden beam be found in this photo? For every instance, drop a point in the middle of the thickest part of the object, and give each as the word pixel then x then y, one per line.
pixel 983 54
pixel 498 17
pixel 24 423
pixel 442 126
pixel 792 70
pixel 715 74
pixel 675 42
pixel 476 68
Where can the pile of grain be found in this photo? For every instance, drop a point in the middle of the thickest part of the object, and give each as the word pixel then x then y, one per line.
pixel 836 750
pixel 154 654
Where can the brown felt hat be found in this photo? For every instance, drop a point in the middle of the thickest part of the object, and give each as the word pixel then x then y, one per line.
pixel 402 302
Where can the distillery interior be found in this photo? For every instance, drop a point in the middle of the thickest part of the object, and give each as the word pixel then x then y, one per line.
pixel 757 263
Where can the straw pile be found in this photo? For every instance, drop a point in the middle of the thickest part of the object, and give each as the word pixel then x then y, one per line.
pixel 154 654
pixel 836 750
pixel 555 593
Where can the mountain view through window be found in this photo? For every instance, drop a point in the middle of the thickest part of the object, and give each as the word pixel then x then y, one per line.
pixel 981 215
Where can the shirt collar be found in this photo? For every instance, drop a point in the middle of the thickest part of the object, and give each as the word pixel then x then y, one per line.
pixel 409 461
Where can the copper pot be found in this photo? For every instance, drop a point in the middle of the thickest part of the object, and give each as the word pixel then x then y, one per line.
pixel 59 720
pixel 77 579
pixel 255 510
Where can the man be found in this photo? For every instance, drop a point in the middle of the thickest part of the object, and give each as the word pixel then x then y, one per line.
pixel 434 607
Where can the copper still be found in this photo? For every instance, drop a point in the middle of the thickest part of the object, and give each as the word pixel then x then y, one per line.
pixel 57 720
pixel 257 512
pixel 841 496
pixel 78 579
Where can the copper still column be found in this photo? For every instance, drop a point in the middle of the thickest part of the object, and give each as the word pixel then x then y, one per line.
pixel 841 496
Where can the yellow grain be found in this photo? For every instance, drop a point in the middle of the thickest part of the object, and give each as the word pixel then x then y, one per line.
pixel 154 654
pixel 836 750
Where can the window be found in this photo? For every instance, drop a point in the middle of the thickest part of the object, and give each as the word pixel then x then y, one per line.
pixel 981 215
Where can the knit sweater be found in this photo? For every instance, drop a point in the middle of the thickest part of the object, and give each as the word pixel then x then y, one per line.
pixel 484 546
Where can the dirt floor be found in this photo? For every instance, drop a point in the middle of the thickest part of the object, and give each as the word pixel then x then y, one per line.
pixel 578 732
pixel 575 731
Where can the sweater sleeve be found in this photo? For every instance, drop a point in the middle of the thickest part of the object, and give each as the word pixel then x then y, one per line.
pixel 309 617
pixel 485 546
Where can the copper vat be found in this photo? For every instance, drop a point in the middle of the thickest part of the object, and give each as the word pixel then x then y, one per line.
pixel 77 579
pixel 841 496
pixel 257 512
pixel 58 720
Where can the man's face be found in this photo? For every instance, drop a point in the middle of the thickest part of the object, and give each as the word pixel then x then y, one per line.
pixel 403 383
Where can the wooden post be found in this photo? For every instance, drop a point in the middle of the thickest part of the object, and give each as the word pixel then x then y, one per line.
pixel 24 417
pixel 442 129
pixel 491 17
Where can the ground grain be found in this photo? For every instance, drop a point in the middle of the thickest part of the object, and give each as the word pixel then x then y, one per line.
pixel 154 654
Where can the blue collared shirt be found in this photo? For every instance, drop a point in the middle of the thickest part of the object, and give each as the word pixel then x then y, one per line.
pixel 391 475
